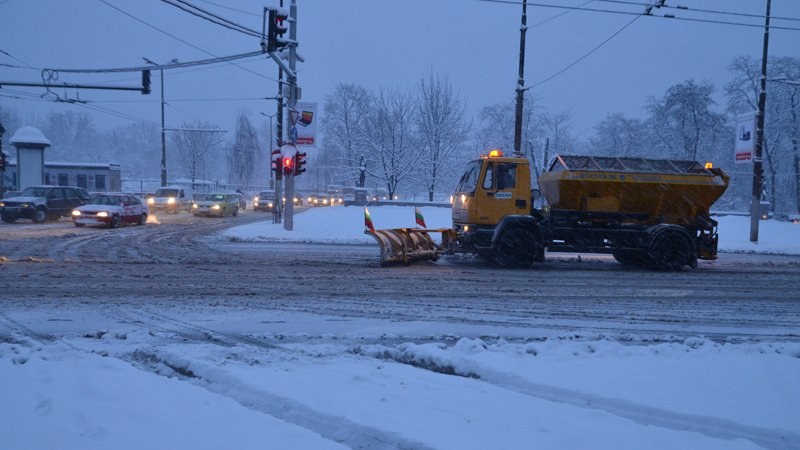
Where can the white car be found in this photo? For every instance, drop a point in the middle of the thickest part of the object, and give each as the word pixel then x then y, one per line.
pixel 111 210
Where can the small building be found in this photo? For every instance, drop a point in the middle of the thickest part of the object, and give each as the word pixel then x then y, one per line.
pixel 94 177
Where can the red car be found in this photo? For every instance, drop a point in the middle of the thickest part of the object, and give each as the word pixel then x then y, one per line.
pixel 111 210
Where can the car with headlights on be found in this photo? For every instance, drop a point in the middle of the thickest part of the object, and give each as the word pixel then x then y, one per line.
pixel 40 203
pixel 264 201
pixel 172 199
pixel 219 205
pixel 111 210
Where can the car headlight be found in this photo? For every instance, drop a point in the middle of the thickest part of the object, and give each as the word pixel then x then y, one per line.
pixel 270 204
pixel 2 204
pixel 25 205
pixel 76 213
pixel 171 200
pixel 255 199
pixel 102 214
pixel 151 200
pixel 215 207
pixel 194 205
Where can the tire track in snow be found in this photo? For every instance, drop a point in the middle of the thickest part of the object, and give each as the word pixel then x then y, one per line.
pixel 214 379
pixel 718 428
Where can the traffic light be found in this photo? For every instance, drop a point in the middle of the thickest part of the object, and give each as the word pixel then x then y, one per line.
pixel 275 161
pixel 146 82
pixel 299 163
pixel 288 166
pixel 278 19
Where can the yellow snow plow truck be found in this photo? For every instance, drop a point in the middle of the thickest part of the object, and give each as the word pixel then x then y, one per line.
pixel 645 212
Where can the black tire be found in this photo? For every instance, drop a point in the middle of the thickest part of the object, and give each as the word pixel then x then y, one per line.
pixel 670 251
pixel 142 219
pixel 516 248
pixel 632 258
pixel 235 211
pixel 114 222
pixel 39 216
pixel 8 218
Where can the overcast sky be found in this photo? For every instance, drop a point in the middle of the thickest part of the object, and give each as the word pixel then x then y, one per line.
pixel 381 43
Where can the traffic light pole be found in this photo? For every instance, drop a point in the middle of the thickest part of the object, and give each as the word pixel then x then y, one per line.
pixel 288 223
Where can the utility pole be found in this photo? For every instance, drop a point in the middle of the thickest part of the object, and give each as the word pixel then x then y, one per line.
pixel 271 143
pixel 520 82
pixel 163 130
pixel 288 223
pixel 758 168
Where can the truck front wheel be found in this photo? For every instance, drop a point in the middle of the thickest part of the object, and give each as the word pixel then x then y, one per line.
pixel 516 248
pixel 670 251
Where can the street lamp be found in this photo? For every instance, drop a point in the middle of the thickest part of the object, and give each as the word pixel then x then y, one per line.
pixel 163 136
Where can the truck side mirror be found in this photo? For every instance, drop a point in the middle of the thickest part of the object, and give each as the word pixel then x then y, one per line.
pixel 536 194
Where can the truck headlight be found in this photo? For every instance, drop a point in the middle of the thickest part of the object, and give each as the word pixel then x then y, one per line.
pixel 151 200
pixel 171 200
pixel 194 205
pixel 215 207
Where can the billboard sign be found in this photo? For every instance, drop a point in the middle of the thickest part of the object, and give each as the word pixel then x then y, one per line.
pixel 745 137
pixel 304 124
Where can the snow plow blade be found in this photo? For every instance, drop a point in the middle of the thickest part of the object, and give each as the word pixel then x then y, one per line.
pixel 405 245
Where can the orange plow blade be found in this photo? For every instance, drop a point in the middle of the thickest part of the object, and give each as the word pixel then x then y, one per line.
pixel 404 245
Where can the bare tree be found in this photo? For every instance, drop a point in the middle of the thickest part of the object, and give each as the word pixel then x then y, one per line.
pixel 781 145
pixel 345 117
pixel 389 138
pixel 73 136
pixel 241 156
pixel 684 122
pixel 194 142
pixel 496 130
pixel 618 135
pixel 442 129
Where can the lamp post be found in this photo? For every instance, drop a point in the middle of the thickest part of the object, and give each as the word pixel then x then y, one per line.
pixel 163 135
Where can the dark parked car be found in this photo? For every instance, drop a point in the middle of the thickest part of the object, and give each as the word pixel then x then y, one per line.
pixel 40 203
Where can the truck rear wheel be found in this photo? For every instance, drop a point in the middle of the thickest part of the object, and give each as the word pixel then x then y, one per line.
pixel 670 251
pixel 631 258
pixel 516 248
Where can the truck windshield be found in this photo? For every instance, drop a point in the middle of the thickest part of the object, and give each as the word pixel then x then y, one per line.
pixel 470 178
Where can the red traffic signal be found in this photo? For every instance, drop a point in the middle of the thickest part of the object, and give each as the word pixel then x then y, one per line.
pixel 288 166
pixel 277 27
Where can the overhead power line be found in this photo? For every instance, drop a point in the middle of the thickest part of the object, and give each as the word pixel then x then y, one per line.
pixel 708 11
pixel 232 9
pixel 181 40
pixel 211 17
pixel 597 47
pixel 633 13
pixel 175 65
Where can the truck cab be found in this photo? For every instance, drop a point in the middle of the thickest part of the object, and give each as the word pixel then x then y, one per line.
pixel 493 188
